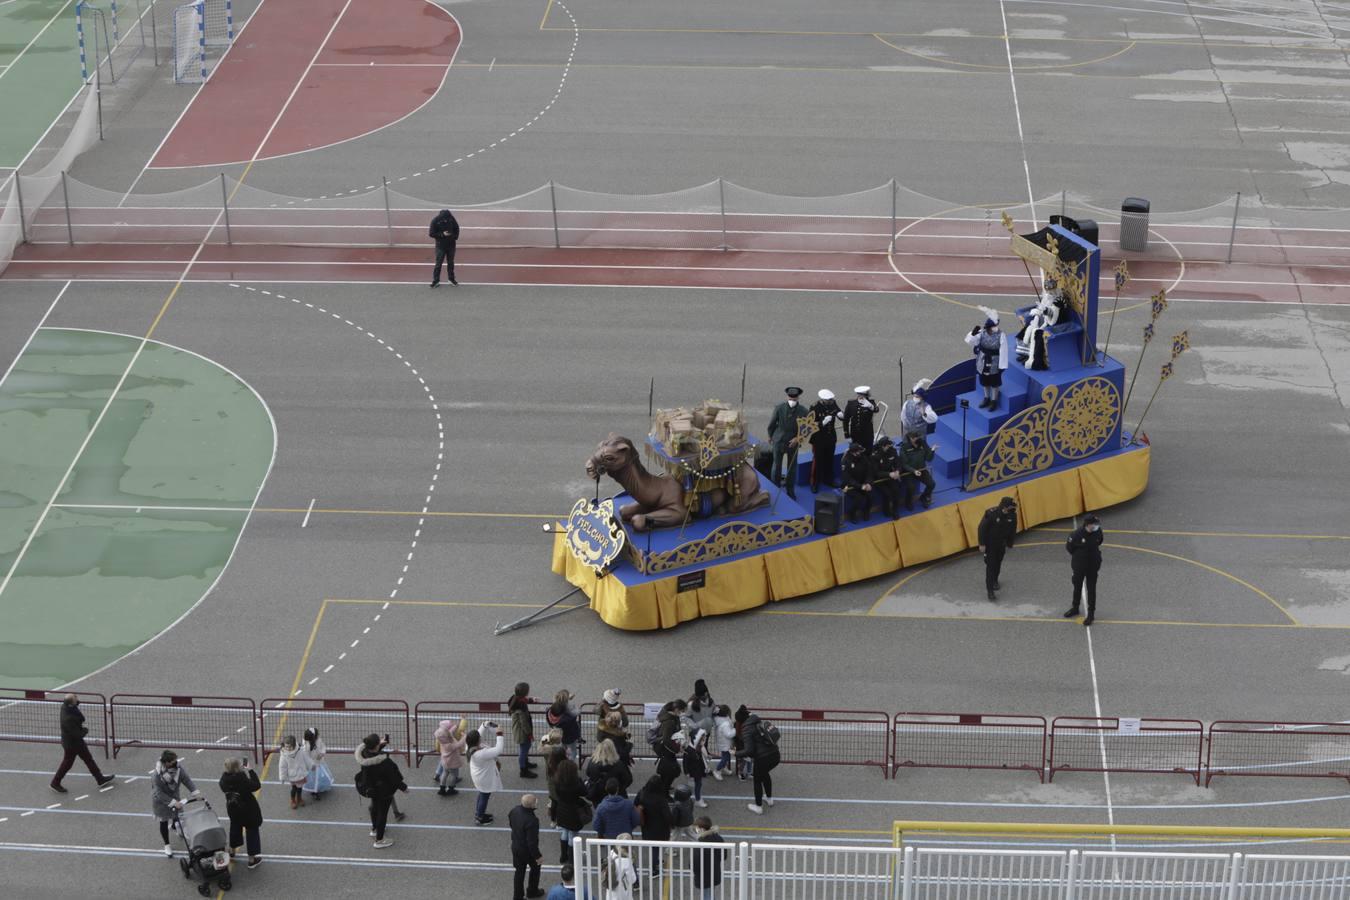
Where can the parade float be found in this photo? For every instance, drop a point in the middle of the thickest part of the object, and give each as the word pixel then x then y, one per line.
pixel 697 531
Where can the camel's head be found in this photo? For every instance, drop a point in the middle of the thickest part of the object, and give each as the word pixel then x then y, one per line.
pixel 611 455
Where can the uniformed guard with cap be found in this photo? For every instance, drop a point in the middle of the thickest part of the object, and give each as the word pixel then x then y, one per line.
pixel 1085 549
pixel 783 434
pixel 856 473
pixel 824 440
pixel 858 414
pixel 996 533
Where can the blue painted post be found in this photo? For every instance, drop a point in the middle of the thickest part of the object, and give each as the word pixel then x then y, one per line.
pixel 79 33
pixel 229 20
pixel 116 38
pixel 201 36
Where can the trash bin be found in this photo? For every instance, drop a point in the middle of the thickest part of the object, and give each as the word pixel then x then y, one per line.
pixel 1134 224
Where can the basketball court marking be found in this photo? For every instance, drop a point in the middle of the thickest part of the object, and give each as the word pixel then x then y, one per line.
pixel 1024 69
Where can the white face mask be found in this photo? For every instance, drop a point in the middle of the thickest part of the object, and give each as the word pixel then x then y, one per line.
pixel 792 403
pixel 1092 527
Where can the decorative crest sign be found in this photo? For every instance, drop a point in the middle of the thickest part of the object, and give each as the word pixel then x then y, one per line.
pixel 594 536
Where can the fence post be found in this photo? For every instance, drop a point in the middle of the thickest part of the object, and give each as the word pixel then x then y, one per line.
pixel 743 871
pixel 722 202
pixel 895 191
pixel 553 201
pixel 579 868
pixel 1236 865
pixel 388 217
pixel 1062 200
pixel 65 197
pixel 907 879
pixel 1071 875
pixel 98 98
pixel 154 35
pixel 18 192
pixel 225 206
pixel 1232 234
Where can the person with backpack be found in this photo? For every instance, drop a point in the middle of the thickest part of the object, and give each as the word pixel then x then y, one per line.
pixel 525 847
pixel 695 764
pixel 485 767
pixel 522 727
pixel 619 879
pixel 615 815
pixel 444 230
pixel 562 715
pixel 662 739
pixel 708 862
pixel 723 735
pixel 657 822
pixel 604 764
pixel 761 746
pixel 239 783
pixel 378 779
pixel 568 807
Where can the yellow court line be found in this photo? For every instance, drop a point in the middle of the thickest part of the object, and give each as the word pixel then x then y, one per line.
pixel 749 829
pixel 1003 68
pixel 407 512
pixel 1216 534
pixel 544 21
pixel 295 685
pixel 1217 571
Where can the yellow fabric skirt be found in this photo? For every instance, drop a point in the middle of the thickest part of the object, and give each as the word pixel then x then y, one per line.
pixel 854 555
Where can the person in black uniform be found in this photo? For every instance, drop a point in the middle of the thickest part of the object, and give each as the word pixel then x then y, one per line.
pixel 1085 547
pixel 783 434
pixel 856 473
pixel 445 231
pixel 886 477
pixel 824 440
pixel 916 457
pixel 996 533
pixel 858 414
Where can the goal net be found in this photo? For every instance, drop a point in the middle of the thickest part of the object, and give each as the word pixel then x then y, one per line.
pixel 202 31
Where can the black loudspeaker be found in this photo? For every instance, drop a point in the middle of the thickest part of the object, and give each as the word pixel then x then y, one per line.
pixel 829 513
pixel 1085 228
pixel 764 461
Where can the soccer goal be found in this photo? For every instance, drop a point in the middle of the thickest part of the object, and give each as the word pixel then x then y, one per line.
pixel 202 31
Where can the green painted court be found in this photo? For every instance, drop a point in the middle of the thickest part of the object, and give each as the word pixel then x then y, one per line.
pixel 39 71
pixel 138 466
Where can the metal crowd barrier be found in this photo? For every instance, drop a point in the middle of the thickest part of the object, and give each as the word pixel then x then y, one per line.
pixel 34 716
pixel 342 724
pixel 954 740
pixel 969 741
pixel 182 722
pixel 1111 744
pixel 1278 749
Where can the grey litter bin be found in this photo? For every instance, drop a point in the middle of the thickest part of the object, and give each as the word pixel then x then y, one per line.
pixel 1134 224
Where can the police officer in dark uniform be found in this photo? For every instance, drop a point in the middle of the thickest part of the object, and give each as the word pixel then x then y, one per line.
pixel 1085 547
pixel 996 533
pixel 858 414
pixel 856 472
pixel 916 457
pixel 824 440
pixel 445 231
pixel 783 434
pixel 886 477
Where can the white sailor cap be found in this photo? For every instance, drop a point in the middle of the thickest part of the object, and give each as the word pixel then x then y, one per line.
pixel 862 389
pixel 825 394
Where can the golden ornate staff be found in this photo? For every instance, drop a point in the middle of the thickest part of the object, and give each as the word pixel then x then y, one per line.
pixel 1159 305
pixel 1122 279
pixel 1180 344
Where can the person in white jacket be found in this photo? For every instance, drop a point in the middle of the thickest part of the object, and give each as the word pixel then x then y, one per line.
pixel 485 767
pixel 294 768
pixel 723 733
pixel 619 878
pixel 991 357
pixel 320 778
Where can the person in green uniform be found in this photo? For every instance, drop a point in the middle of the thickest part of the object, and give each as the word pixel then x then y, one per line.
pixel 783 434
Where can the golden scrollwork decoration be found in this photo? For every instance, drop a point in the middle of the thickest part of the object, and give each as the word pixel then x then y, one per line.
pixel 707 450
pixel 806 426
pixel 1018 448
pixel 1084 417
pixel 726 540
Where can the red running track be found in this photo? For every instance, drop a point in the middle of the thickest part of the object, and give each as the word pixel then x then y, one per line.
pixel 306 75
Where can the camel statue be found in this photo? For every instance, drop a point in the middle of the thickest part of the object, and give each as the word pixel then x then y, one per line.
pixel 660 499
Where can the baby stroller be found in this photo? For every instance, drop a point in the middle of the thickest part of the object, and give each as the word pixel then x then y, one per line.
pixel 204 839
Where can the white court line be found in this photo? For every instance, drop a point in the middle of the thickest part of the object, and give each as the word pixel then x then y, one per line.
pixel 26 47
pixel 1101 735
pixel 1017 110
pixel 150 506
pixel 305 522
pixel 1185 15
pixel 41 322
pixel 375 65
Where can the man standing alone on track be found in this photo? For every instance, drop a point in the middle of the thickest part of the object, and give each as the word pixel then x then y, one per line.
pixel 1085 547
pixel 445 231
pixel 996 533
pixel 72 741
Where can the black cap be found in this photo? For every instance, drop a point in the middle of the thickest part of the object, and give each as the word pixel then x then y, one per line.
pixel 1091 519
pixel 1007 503
pixel 794 392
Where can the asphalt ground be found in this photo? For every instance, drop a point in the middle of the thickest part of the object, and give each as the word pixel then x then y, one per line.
pixel 1244 617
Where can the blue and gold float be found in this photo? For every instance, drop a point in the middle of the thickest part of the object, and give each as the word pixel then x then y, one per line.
pixel 1055 441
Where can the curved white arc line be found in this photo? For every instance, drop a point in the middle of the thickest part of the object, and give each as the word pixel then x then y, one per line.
pixel 418 108
pixel 1162 12
pixel 243 526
